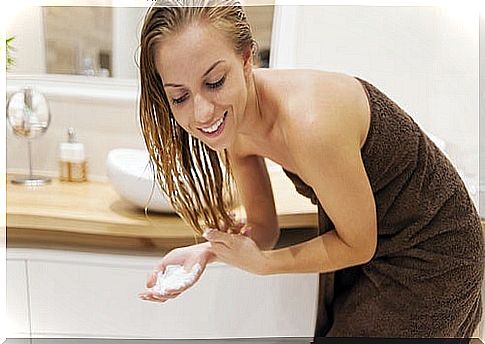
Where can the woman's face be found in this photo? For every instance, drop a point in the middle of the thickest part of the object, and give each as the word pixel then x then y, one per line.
pixel 205 83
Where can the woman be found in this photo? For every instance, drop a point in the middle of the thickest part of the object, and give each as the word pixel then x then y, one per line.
pixel 400 251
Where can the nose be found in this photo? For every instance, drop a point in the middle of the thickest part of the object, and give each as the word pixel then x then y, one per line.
pixel 203 111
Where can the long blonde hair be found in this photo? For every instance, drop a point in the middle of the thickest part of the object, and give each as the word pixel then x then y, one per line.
pixel 189 172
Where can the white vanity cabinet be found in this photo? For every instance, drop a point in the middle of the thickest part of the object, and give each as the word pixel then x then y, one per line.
pixel 18 323
pixel 78 294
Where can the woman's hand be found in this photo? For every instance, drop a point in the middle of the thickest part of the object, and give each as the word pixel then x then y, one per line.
pixel 187 256
pixel 238 250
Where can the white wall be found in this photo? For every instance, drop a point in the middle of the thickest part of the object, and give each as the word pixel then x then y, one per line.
pixel 26 25
pixel 482 135
pixel 125 40
pixel 482 114
pixel 424 58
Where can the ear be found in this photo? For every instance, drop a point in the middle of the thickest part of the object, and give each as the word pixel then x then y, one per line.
pixel 247 61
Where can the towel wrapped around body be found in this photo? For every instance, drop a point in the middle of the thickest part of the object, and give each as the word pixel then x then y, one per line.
pixel 426 275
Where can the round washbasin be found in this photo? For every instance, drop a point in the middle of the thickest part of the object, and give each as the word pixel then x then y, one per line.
pixel 132 178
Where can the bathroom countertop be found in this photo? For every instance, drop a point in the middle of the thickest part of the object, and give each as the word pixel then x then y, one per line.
pixel 91 215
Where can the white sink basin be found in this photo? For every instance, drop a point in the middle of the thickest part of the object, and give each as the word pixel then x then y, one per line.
pixel 132 178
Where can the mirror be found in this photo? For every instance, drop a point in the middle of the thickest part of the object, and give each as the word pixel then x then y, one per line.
pixel 97 41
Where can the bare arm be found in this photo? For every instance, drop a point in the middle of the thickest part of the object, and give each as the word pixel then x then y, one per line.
pixel 345 193
pixel 254 186
pixel 329 160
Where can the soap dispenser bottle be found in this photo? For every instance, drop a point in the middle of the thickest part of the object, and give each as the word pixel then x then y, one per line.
pixel 72 161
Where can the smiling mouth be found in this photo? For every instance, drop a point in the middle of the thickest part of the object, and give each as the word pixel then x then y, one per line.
pixel 216 128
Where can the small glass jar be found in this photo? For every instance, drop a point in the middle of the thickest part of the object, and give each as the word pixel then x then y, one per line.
pixel 72 161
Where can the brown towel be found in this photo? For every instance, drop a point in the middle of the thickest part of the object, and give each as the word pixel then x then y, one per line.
pixel 426 275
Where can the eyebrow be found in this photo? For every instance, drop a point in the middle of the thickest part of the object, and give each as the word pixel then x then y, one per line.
pixel 207 72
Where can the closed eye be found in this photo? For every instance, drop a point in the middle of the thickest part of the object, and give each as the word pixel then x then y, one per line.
pixel 210 85
pixel 179 100
pixel 218 83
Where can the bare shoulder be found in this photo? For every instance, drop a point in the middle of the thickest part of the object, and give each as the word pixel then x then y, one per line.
pixel 330 110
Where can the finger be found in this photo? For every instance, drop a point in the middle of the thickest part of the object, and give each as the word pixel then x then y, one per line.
pixel 222 225
pixel 161 267
pixel 157 297
pixel 169 294
pixel 175 292
pixel 246 231
pixel 208 230
pixel 160 297
pixel 151 298
pixel 146 294
pixel 230 229
pixel 217 236
pixel 236 228
pixel 145 298
pixel 152 279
